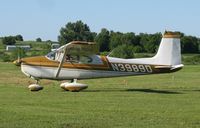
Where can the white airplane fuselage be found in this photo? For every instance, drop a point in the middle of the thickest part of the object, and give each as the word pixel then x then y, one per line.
pixel 112 67
pixel 43 68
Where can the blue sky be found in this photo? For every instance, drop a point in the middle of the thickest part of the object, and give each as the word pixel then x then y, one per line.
pixel 44 18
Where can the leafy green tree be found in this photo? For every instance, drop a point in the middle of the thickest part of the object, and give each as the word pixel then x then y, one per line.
pixel 19 38
pixel 75 32
pixel 199 44
pixel 189 44
pixel 131 38
pixel 128 38
pixel 115 39
pixel 10 40
pixel 138 49
pixel 103 40
pixel 38 40
pixel 150 42
pixel 123 51
pixel 49 41
pixel 136 41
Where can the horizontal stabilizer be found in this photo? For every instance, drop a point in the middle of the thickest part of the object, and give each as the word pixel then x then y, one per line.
pixel 164 66
pixel 177 66
pixel 169 67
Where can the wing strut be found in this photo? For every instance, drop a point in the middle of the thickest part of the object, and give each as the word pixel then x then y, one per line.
pixel 61 63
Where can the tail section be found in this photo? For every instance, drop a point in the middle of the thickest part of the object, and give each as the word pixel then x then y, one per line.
pixel 169 52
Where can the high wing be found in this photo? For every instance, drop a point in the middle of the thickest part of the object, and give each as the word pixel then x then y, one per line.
pixel 78 48
pixel 82 48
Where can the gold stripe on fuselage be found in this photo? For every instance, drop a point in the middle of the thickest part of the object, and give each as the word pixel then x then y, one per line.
pixel 44 62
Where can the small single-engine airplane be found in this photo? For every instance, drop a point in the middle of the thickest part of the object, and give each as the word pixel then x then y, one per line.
pixel 79 60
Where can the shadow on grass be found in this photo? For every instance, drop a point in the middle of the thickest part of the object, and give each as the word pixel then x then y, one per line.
pixel 135 90
pixel 154 91
pixel 193 90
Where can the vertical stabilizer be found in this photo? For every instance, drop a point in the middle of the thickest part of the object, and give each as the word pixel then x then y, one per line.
pixel 169 52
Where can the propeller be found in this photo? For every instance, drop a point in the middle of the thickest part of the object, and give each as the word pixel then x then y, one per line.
pixel 18 61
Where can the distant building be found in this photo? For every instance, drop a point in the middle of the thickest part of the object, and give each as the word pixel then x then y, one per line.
pixel 13 47
pixel 54 46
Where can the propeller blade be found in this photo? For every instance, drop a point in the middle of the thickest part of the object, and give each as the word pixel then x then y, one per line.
pixel 18 56
pixel 18 61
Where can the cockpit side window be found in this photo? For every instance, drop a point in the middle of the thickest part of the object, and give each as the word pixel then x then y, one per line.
pixel 70 58
pixel 83 59
pixel 55 55
pixel 80 59
pixel 51 55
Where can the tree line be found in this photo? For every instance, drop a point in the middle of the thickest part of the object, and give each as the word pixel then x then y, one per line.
pixel 122 43
pixel 12 40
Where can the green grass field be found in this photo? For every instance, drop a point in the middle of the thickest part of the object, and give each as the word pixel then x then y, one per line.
pixel 153 101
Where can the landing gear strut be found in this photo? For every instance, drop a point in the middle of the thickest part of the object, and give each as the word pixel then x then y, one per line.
pixel 73 86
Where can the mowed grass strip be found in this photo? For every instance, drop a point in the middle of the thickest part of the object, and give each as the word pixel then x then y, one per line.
pixel 153 101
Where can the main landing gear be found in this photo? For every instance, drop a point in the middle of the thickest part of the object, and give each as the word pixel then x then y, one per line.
pixel 35 87
pixel 73 86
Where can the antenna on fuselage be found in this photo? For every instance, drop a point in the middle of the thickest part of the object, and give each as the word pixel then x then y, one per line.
pixel 111 52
